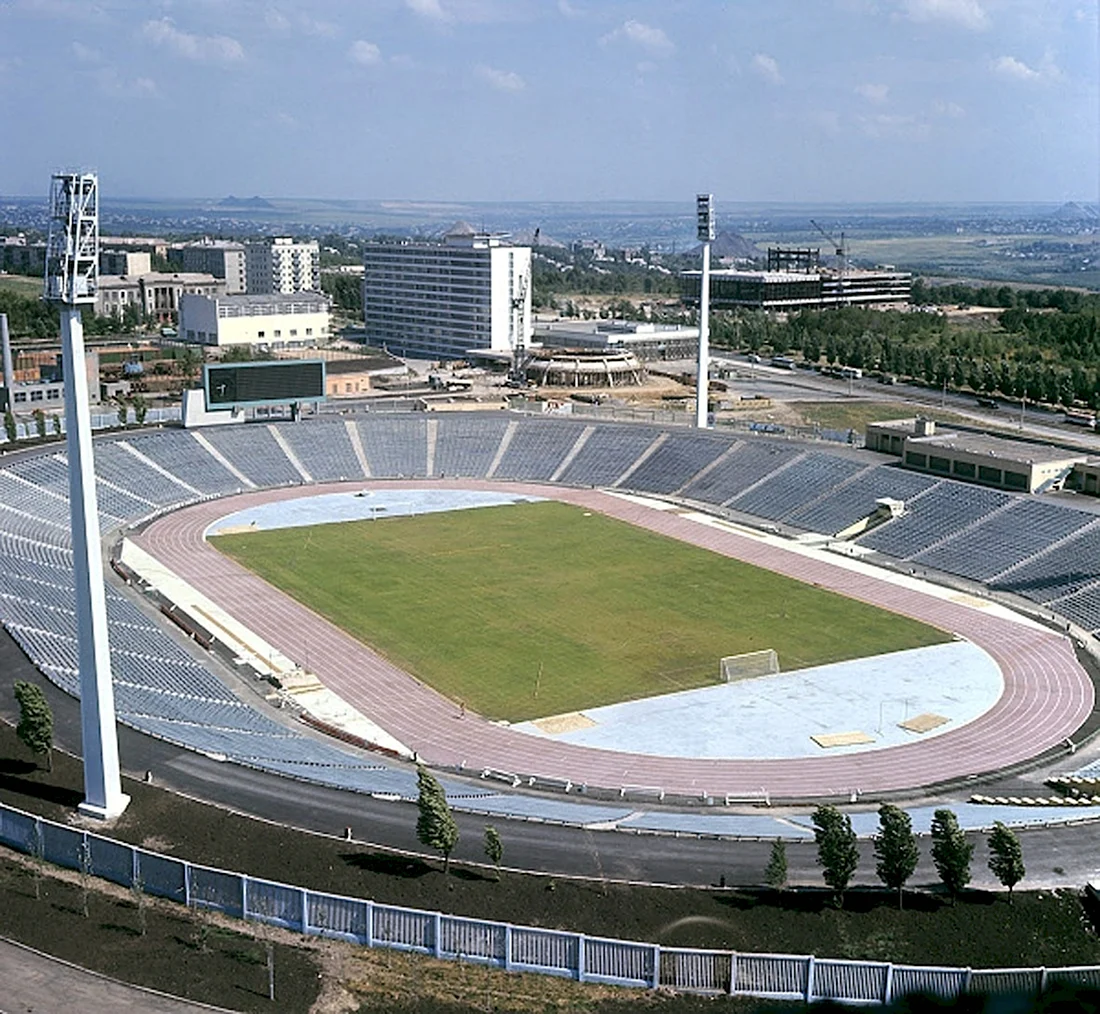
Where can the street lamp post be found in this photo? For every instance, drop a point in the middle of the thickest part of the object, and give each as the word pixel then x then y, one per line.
pixel 704 218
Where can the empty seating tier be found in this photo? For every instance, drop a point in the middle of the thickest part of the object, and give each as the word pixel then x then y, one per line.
pixel 254 452
pixel 744 466
pixel 1005 539
pixel 675 463
pixel 785 492
pixel 608 452
pixel 537 448
pixel 855 500
pixel 396 446
pixel 942 511
pixel 466 444
pixel 324 449
pixel 1065 569
pixel 182 455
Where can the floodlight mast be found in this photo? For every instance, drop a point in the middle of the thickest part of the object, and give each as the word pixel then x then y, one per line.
pixel 704 218
pixel 72 276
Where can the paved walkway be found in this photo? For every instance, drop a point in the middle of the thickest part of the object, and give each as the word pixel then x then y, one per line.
pixel 34 982
pixel 1047 694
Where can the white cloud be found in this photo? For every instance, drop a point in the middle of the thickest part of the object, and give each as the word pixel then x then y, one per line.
pixel 1009 66
pixel 567 10
pixel 365 53
pixel 430 10
pixel 501 80
pixel 651 39
pixel 951 110
pixel 85 54
pixel 299 22
pixel 113 85
pixel 766 67
pixel 876 94
pixel 205 48
pixel 894 125
pixel 962 13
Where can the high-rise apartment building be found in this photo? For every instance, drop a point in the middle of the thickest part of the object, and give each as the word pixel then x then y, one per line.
pixel 440 300
pixel 281 264
pixel 217 257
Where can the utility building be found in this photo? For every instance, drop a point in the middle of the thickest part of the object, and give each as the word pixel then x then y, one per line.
pixel 272 321
pixel 470 292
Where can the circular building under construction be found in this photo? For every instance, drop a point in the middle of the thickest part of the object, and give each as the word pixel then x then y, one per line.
pixel 584 368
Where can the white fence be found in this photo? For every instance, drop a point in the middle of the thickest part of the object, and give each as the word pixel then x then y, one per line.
pixel 27 429
pixel 516 948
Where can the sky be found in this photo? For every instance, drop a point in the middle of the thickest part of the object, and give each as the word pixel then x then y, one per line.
pixel 556 100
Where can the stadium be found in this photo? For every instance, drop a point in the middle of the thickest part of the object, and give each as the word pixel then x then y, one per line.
pixel 773 504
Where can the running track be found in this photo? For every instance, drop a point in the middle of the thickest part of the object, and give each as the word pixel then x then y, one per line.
pixel 1047 695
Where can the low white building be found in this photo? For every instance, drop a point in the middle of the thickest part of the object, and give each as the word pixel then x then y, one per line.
pixel 269 320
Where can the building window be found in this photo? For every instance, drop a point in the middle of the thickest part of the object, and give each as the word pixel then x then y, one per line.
pixel 293 332
pixel 1015 480
pixel 261 334
pixel 20 397
pixel 36 395
pixel 278 334
pixel 965 469
pixel 53 394
pixel 987 474
pixel 309 331
pixel 917 460
pixel 938 464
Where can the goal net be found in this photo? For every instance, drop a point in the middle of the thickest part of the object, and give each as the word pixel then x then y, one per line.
pixel 752 663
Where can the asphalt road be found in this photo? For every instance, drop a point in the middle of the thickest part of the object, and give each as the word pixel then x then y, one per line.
pixel 1063 856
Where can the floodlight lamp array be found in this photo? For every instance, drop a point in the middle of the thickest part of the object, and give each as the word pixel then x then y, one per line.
pixel 72 248
pixel 704 217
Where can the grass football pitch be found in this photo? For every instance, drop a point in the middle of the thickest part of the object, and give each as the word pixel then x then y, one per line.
pixel 543 608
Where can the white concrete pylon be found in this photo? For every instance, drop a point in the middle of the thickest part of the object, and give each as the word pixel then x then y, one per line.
pixel 103 795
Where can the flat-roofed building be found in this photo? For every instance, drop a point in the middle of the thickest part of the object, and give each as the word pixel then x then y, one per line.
pixel 647 341
pixel 156 294
pixel 470 292
pixel 1016 465
pixel 1086 477
pixel 269 320
pixel 125 262
pixel 218 257
pixel 798 290
pixel 282 264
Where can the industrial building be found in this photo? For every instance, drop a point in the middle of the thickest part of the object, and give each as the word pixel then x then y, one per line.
pixel 649 342
pixel 1014 465
pixel 470 292
pixel 269 320
pixel 282 264
pixel 218 257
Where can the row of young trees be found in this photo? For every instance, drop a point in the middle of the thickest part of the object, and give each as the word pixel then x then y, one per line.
pixel 897 852
pixel 51 424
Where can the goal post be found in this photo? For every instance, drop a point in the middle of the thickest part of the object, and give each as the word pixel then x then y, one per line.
pixel 749 665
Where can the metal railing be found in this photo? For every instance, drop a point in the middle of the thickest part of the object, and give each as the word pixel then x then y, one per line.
pixel 502 945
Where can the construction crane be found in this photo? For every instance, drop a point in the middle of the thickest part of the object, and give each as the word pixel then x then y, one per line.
pixel 516 375
pixel 841 250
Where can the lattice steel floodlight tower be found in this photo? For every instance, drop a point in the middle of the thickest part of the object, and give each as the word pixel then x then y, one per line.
pixel 72 276
pixel 704 218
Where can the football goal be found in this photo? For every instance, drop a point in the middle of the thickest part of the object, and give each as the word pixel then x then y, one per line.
pixel 749 665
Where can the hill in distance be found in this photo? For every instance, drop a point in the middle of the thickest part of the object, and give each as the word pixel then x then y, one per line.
pixel 253 203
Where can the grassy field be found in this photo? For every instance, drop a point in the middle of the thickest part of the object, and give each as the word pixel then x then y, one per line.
pixel 843 415
pixel 22 285
pixel 539 609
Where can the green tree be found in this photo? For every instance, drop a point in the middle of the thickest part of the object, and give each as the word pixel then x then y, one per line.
pixel 1006 858
pixel 35 726
pixel 123 413
pixel 951 852
pixel 40 422
pixel 55 421
pixel 775 873
pixel 837 853
pixel 435 825
pixel 141 407
pixel 189 359
pixel 494 847
pixel 896 852
pixel 10 428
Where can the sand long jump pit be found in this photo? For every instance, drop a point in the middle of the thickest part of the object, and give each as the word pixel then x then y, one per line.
pixel 442 624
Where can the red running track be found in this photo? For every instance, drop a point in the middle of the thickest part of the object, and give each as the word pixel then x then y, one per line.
pixel 1047 694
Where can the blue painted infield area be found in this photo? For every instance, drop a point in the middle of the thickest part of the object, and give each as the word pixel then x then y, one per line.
pixel 366 505
pixel 775 716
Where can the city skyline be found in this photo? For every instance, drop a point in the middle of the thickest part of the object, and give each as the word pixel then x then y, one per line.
pixel 556 100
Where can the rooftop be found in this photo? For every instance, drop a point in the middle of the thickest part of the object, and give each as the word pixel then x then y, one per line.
pixel 999 447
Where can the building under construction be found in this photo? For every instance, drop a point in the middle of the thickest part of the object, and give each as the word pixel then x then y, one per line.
pixel 796 280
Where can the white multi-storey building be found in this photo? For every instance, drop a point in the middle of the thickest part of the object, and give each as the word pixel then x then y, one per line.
pixel 441 300
pixel 270 320
pixel 282 264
